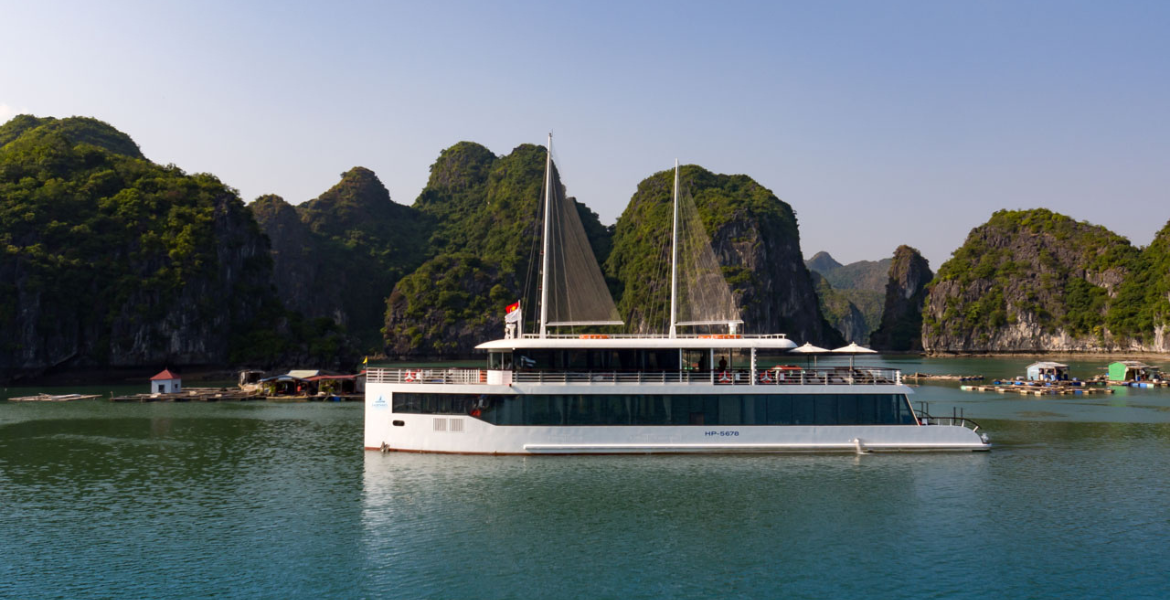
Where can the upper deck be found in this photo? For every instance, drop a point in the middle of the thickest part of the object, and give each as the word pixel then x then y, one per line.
pixel 530 341
pixel 767 378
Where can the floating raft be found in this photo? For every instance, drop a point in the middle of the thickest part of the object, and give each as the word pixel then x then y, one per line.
pixel 54 398
pixel 231 395
pixel 1046 384
pixel 1056 390
pixel 1141 384
pixel 944 377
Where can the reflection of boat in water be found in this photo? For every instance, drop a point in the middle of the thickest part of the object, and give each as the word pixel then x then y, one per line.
pixel 547 393
pixel 54 398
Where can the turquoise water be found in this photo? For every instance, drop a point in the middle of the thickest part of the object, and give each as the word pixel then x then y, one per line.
pixel 279 501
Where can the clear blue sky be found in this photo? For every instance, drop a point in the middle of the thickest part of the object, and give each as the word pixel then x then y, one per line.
pixel 880 122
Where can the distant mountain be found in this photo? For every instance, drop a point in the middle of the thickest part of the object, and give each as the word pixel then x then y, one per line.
pixel 861 283
pixel 840 311
pixel 822 263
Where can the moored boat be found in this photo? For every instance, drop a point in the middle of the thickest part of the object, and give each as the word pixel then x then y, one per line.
pixel 714 389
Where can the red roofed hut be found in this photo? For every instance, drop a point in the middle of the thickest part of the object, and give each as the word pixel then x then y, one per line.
pixel 166 383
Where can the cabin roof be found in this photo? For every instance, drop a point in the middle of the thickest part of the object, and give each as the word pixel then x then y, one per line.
pixel 1132 364
pixel 164 374
pixel 638 343
pixel 1047 365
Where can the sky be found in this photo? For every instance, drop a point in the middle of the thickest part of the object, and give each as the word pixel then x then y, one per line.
pixel 881 123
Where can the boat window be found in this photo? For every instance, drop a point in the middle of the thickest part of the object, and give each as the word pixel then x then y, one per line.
pixel 500 361
pixel 662 409
pixel 696 360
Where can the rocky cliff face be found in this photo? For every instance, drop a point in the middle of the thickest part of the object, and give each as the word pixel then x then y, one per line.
pixel 755 238
pixel 1028 281
pixel 299 264
pixel 339 255
pixel 111 260
pixel 901 326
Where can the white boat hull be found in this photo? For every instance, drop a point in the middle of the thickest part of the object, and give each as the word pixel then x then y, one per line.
pixel 389 431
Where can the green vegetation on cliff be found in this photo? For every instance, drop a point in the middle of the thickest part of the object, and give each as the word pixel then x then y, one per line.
pixel 114 259
pixel 485 213
pixel 1143 300
pixel 1043 270
pixel 75 130
pixel 755 238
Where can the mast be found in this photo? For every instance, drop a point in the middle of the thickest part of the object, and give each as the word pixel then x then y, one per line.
pixel 544 240
pixel 674 259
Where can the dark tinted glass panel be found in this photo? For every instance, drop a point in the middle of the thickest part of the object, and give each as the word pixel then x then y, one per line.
pixel 658 409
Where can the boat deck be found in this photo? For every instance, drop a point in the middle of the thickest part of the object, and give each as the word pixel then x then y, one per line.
pixel 767 377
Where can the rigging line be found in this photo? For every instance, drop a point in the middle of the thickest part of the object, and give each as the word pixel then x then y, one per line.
pixel 530 284
pixel 661 273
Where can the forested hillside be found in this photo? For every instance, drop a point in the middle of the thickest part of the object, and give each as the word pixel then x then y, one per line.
pixel 1036 280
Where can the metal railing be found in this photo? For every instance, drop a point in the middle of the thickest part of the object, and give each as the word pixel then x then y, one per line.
pixel 957 418
pixel 769 377
pixel 658 336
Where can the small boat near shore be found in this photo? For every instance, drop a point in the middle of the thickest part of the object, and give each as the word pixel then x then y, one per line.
pixel 54 398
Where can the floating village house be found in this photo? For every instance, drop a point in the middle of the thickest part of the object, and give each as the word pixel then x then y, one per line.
pixel 166 383
pixel 1131 370
pixel 1047 371
pixel 305 382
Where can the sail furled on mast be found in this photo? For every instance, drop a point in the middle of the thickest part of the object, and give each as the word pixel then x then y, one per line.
pixel 577 294
pixel 704 297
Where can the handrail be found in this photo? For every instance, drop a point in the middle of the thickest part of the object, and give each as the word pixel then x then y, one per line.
pixel 767 377
pixel 957 418
pixel 657 336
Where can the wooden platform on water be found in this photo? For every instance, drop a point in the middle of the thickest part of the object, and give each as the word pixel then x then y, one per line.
pixel 54 398
pixel 1141 384
pixel 1029 390
pixel 231 395
pixel 941 377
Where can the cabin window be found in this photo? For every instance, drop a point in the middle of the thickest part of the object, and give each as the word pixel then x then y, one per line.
pixel 663 409
pixel 500 361
pixel 696 360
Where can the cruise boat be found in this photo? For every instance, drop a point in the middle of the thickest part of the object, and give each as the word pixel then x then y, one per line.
pixel 712 389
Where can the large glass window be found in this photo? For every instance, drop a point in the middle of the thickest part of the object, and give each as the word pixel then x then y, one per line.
pixel 661 409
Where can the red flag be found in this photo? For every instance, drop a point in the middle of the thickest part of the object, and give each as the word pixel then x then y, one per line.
pixel 512 307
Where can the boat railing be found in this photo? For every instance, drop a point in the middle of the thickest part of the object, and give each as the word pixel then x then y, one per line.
pixel 957 418
pixel 656 336
pixel 765 377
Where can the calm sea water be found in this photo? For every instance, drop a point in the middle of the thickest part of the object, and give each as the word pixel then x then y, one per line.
pixel 280 501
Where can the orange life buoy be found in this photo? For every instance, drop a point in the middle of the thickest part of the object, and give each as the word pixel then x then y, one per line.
pixel 483 376
pixel 725 377
pixel 593 336
pixel 767 378
pixel 409 376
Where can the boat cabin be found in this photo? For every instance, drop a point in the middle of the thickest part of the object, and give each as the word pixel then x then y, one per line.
pixel 1132 370
pixel 1048 371
pixel 634 354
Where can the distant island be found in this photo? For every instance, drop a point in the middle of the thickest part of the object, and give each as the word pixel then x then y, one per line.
pixel 111 260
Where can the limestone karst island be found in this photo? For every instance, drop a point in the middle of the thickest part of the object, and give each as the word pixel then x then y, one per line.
pixel 111 260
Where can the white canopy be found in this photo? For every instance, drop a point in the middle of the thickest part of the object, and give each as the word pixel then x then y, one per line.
pixel 808 348
pixel 853 348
